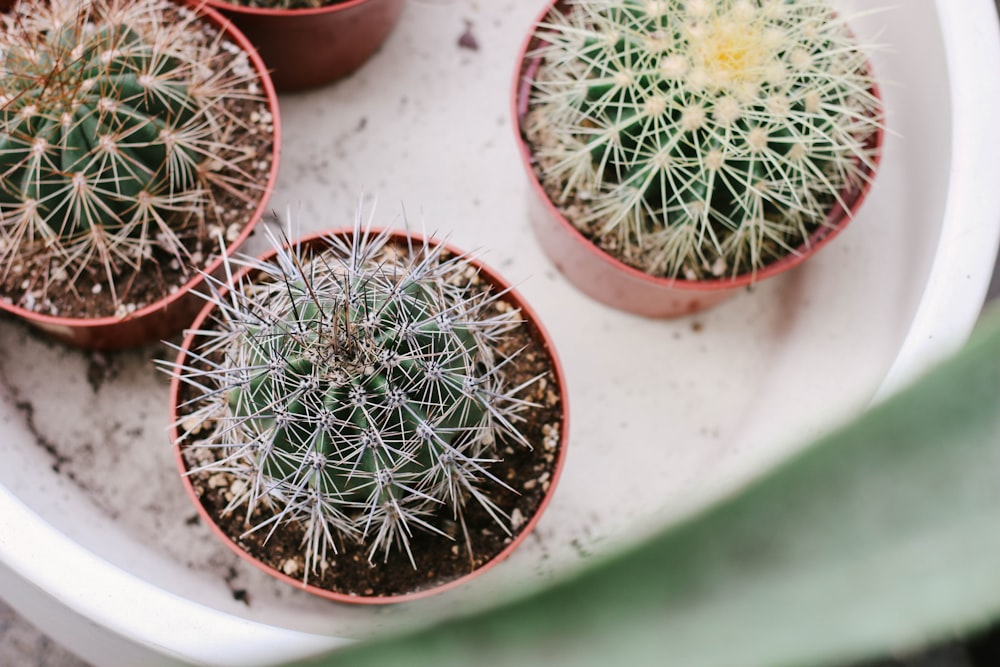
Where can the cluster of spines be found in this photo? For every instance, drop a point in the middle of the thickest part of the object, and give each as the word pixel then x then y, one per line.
pixel 356 391
pixel 116 132
pixel 703 138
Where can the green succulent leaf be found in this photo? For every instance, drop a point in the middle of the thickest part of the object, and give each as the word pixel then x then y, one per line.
pixel 883 535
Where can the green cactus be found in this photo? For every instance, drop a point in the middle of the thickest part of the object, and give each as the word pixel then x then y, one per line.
pixel 334 352
pixel 97 124
pixel 703 137
pixel 113 128
pixel 356 389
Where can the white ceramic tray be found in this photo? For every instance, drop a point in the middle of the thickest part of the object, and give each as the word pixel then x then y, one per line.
pixel 96 542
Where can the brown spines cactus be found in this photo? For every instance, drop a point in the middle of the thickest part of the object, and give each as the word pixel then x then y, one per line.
pixel 116 132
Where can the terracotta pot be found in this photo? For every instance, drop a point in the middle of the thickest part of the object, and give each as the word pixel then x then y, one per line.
pixel 611 282
pixel 168 315
pixel 309 47
pixel 538 332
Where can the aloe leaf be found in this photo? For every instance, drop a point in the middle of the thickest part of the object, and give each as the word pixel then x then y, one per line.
pixel 881 536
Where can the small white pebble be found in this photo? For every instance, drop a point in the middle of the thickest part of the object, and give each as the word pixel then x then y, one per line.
pixel 192 424
pixel 217 481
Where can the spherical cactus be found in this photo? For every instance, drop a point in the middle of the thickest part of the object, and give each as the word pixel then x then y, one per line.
pixel 701 138
pixel 358 391
pixel 113 126
pixel 110 96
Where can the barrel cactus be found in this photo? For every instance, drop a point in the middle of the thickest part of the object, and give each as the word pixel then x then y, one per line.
pixel 114 129
pixel 701 139
pixel 356 390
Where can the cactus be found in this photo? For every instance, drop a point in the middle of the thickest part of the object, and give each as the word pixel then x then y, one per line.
pixel 700 138
pixel 114 130
pixel 356 390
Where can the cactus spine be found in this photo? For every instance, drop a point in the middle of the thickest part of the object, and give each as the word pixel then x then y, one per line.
pixel 355 390
pixel 114 130
pixel 701 138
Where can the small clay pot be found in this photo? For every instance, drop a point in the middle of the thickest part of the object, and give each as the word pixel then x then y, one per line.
pixel 305 48
pixel 168 315
pixel 557 380
pixel 614 283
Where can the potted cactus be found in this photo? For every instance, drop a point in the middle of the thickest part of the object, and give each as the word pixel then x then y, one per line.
pixel 370 416
pixel 680 151
pixel 307 43
pixel 136 136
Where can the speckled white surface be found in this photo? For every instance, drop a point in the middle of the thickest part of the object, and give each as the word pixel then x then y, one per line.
pixel 664 414
pixel 22 645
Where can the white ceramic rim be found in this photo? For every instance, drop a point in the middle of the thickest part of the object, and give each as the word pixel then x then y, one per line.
pixel 957 284
pixel 970 235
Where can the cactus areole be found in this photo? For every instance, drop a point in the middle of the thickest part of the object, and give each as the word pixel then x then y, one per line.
pixel 384 418
pixel 133 137
pixel 699 145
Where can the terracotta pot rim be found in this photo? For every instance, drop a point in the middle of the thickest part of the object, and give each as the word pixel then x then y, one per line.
pixel 278 12
pixel 80 323
pixel 531 319
pixel 836 220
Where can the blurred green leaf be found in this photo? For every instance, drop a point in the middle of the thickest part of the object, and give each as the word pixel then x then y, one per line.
pixel 884 535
